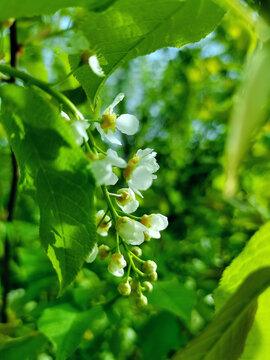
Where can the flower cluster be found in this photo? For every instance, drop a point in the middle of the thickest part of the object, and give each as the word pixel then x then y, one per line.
pixel 125 258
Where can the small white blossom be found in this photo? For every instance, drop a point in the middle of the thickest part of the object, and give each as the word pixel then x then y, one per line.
pixel 78 129
pixel 154 223
pixel 95 66
pixel 127 202
pixel 103 227
pixel 116 265
pixel 93 254
pixel 140 169
pixel 103 169
pixel 126 123
pixel 131 231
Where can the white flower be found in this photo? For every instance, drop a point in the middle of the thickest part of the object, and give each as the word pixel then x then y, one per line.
pixel 131 231
pixel 126 123
pixel 103 169
pixel 140 169
pixel 93 254
pixel 78 129
pixel 127 202
pixel 104 225
pixel 116 265
pixel 95 66
pixel 154 223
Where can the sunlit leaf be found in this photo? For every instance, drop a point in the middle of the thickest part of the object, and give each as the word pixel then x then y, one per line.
pixel 225 337
pixel 65 325
pixel 27 8
pixel 132 28
pixel 46 151
pixel 255 255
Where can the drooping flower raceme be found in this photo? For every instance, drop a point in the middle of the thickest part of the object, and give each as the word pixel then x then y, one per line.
pixel 154 224
pixel 103 169
pixel 127 202
pixel 131 231
pixel 140 169
pixel 116 265
pixel 126 123
pixel 103 223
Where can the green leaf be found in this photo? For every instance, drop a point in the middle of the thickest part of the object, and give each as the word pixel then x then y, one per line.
pixel 16 8
pixel 45 150
pixel 249 112
pixel 64 326
pixel 174 297
pixel 255 255
pixel 23 348
pixel 132 28
pixel 225 337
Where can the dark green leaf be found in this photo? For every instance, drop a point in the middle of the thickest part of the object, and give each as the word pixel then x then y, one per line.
pixel 46 151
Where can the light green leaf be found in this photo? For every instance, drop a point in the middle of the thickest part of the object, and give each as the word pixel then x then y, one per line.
pixel 174 297
pixel 249 112
pixel 255 255
pixel 132 28
pixel 225 337
pixel 45 149
pixel 17 8
pixel 65 325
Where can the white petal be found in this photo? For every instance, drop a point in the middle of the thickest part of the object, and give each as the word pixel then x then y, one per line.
pixel 65 115
pixel 102 171
pixel 116 101
pixel 110 136
pixel 150 162
pixel 130 207
pixel 114 159
pixel 111 180
pixel 141 153
pixel 153 234
pixel 127 124
pixel 158 222
pixel 78 129
pixel 118 272
pixel 95 66
pixel 141 178
pixel 93 254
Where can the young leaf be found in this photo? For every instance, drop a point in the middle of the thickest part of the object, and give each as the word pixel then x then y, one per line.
pixel 65 325
pixel 249 112
pixel 17 8
pixel 255 255
pixel 132 28
pixel 45 149
pixel 225 337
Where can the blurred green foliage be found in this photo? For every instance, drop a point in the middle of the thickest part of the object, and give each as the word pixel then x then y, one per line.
pixel 183 99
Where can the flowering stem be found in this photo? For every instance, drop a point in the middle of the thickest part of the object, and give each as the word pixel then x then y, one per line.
pixel 136 257
pixel 103 217
pixel 131 260
pixel 130 216
pixel 114 214
pixel 117 243
pixel 128 271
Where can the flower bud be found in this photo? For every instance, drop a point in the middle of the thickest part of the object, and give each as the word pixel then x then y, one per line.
pixel 103 251
pixel 136 251
pixel 149 267
pixel 148 287
pixel 124 289
pixel 116 265
pixel 153 276
pixel 141 301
